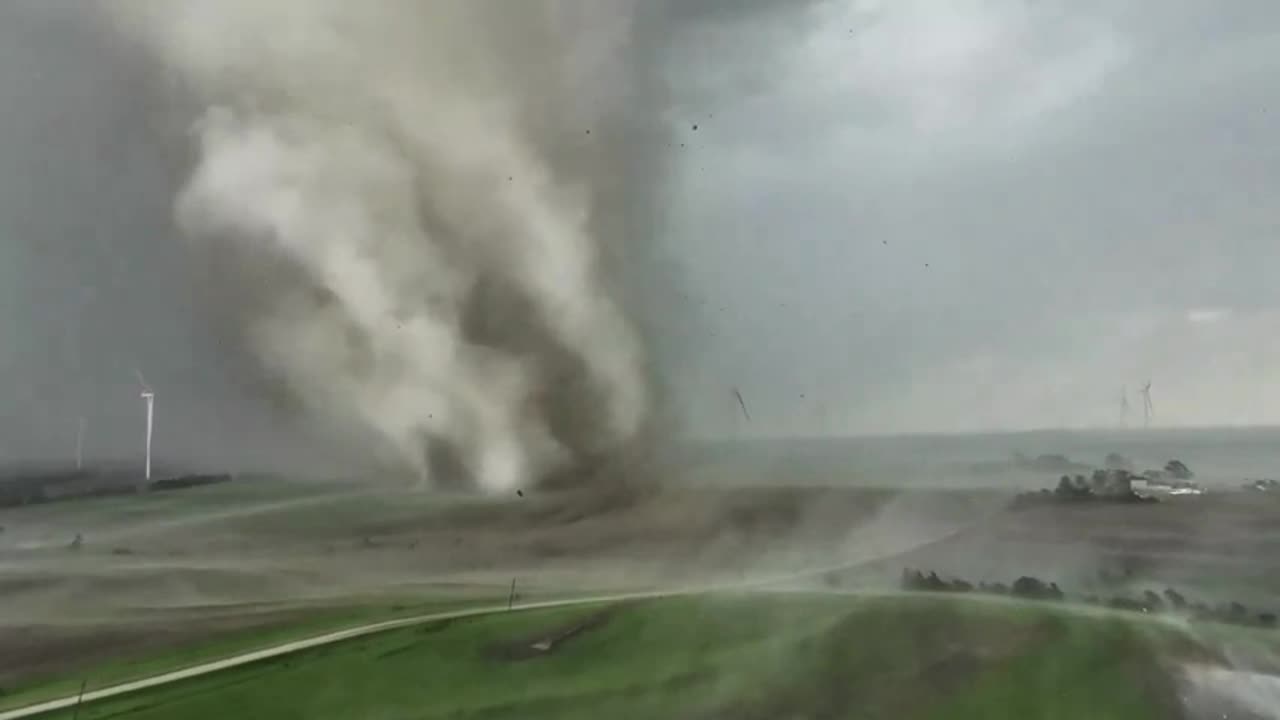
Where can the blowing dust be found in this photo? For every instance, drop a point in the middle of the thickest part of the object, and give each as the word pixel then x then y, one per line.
pixel 407 199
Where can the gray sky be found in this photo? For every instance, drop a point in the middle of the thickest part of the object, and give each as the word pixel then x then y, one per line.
pixel 895 215
pixel 912 215
pixel 93 279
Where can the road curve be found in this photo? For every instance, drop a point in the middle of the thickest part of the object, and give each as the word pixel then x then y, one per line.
pixel 307 643
pixel 287 648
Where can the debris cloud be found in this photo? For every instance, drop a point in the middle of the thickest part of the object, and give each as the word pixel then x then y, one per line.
pixel 405 200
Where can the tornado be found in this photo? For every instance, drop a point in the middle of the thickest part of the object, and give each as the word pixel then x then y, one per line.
pixel 410 203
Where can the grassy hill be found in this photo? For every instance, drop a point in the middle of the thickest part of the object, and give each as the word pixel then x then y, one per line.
pixel 766 657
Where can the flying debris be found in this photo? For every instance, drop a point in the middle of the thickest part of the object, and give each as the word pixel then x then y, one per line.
pixel 742 404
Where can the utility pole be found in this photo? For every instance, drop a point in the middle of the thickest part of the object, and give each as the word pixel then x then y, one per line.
pixel 79 699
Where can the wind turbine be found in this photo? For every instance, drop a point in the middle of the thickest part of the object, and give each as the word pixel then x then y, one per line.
pixel 1124 406
pixel 149 397
pixel 80 444
pixel 1147 409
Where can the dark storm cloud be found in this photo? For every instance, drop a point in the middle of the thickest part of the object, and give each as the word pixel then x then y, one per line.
pixel 892 216
pixel 97 281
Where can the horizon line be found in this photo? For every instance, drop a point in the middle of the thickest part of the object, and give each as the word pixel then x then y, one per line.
pixel 989 432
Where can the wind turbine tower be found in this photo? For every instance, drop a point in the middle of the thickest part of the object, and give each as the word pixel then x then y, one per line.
pixel 148 397
pixel 1147 409
pixel 80 444
pixel 1124 406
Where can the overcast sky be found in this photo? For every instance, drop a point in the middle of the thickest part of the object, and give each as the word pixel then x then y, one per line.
pixel 894 215
pixel 95 285
pixel 982 214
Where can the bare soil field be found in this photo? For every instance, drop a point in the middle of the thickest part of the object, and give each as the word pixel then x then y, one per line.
pixel 47 650
pixel 209 560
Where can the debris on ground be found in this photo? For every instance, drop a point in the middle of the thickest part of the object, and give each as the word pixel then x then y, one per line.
pixel 548 642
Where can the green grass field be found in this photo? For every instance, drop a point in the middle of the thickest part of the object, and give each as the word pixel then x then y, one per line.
pixel 747 657
pixel 317 622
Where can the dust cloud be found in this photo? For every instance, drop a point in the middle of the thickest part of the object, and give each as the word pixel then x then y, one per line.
pixel 404 201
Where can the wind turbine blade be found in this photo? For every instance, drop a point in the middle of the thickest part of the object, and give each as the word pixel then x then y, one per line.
pixel 142 380
pixel 743 404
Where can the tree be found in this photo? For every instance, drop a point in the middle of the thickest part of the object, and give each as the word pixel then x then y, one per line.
pixel 1178 470
pixel 1065 488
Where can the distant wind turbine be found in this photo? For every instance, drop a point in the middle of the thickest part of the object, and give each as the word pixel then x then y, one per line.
pixel 80 444
pixel 149 397
pixel 1124 406
pixel 1147 408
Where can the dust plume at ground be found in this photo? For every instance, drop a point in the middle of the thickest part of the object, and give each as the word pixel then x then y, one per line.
pixel 404 202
